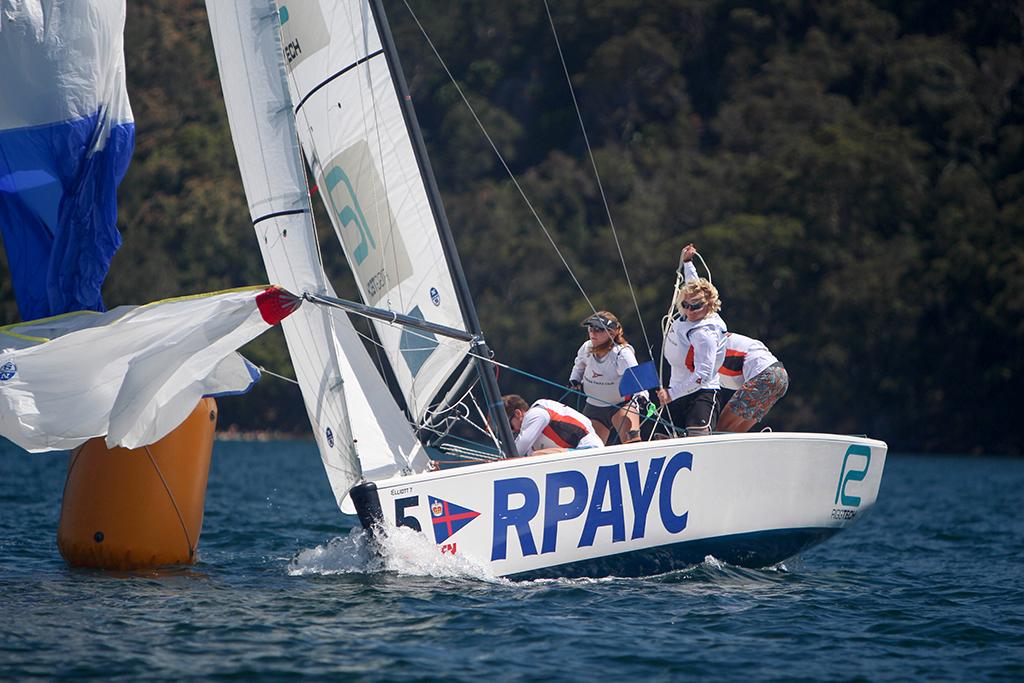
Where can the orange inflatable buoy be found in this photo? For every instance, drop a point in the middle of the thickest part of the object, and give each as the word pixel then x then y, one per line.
pixel 142 507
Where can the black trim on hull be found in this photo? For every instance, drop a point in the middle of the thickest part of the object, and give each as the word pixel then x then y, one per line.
pixel 367 503
pixel 753 550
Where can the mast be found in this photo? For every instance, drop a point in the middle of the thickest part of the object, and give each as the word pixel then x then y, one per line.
pixel 488 382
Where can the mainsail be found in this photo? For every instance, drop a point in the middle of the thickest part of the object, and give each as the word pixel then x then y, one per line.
pixel 350 122
pixel 358 427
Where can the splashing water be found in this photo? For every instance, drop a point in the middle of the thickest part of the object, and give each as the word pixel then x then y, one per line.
pixel 402 551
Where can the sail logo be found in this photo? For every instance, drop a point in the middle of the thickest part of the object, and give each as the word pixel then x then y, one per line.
pixel 352 213
pixel 303 31
pixel 330 437
pixel 447 518
pixel 519 500
pixel 361 215
pixel 7 371
pixel 435 298
pixel 848 473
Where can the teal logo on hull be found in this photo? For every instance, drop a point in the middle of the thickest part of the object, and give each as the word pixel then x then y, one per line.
pixel 852 474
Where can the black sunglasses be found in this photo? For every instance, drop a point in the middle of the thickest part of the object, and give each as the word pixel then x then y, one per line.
pixel 693 307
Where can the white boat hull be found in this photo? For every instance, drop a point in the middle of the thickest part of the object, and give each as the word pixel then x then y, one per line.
pixel 752 500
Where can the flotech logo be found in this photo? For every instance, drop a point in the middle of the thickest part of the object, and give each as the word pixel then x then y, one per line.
pixel 849 472
pixel 303 31
pixel 373 239
pixel 351 212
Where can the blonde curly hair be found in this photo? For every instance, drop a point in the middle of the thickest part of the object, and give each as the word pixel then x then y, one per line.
pixel 699 289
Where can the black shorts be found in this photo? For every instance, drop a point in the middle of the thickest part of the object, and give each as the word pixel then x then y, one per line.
pixel 696 409
pixel 602 414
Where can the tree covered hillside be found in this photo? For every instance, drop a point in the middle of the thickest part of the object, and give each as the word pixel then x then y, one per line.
pixel 852 171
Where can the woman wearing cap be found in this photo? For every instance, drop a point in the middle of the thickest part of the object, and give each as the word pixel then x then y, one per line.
pixel 600 364
pixel 695 349
pixel 749 369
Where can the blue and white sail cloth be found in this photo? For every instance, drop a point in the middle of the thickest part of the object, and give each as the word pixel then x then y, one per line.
pixel 66 137
pixel 132 374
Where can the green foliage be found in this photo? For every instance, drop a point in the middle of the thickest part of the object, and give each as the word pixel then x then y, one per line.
pixel 853 172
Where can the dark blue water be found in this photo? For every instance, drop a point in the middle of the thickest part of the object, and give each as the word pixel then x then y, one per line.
pixel 930 586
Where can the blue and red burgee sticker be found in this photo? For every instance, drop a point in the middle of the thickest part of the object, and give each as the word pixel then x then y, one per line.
pixel 448 518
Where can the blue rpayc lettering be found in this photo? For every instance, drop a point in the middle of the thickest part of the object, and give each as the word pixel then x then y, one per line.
pixel 505 517
pixel 567 495
pixel 642 497
pixel 554 511
pixel 608 485
pixel 673 523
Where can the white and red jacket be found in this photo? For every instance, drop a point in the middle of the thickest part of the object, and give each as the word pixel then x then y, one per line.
pixel 549 424
pixel 601 376
pixel 745 358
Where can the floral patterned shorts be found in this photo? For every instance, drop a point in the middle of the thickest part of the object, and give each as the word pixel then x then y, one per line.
pixel 755 398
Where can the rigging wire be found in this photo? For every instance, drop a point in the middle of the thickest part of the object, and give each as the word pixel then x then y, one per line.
pixel 494 147
pixel 468 394
pixel 274 374
pixel 597 176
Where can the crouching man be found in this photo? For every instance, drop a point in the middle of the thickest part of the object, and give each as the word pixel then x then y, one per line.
pixel 548 426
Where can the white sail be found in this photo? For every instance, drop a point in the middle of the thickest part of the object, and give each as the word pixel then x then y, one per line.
pixel 131 374
pixel 358 427
pixel 352 130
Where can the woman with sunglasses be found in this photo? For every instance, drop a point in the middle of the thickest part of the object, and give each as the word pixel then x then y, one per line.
pixel 600 364
pixel 756 376
pixel 695 350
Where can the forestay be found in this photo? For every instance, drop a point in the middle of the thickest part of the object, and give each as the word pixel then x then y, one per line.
pixel 353 133
pixel 358 427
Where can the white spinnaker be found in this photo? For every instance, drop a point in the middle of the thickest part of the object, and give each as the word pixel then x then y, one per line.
pixel 345 398
pixel 131 374
pixel 351 126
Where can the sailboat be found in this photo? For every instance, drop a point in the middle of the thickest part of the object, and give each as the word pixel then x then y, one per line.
pixel 322 80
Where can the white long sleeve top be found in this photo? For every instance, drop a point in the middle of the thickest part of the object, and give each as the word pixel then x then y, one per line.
pixel 745 358
pixel 549 424
pixel 601 376
pixel 695 352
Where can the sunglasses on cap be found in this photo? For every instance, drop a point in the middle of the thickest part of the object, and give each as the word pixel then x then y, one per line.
pixel 600 323
pixel 692 307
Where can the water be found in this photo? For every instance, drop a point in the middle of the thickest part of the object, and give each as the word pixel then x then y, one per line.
pixel 929 586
